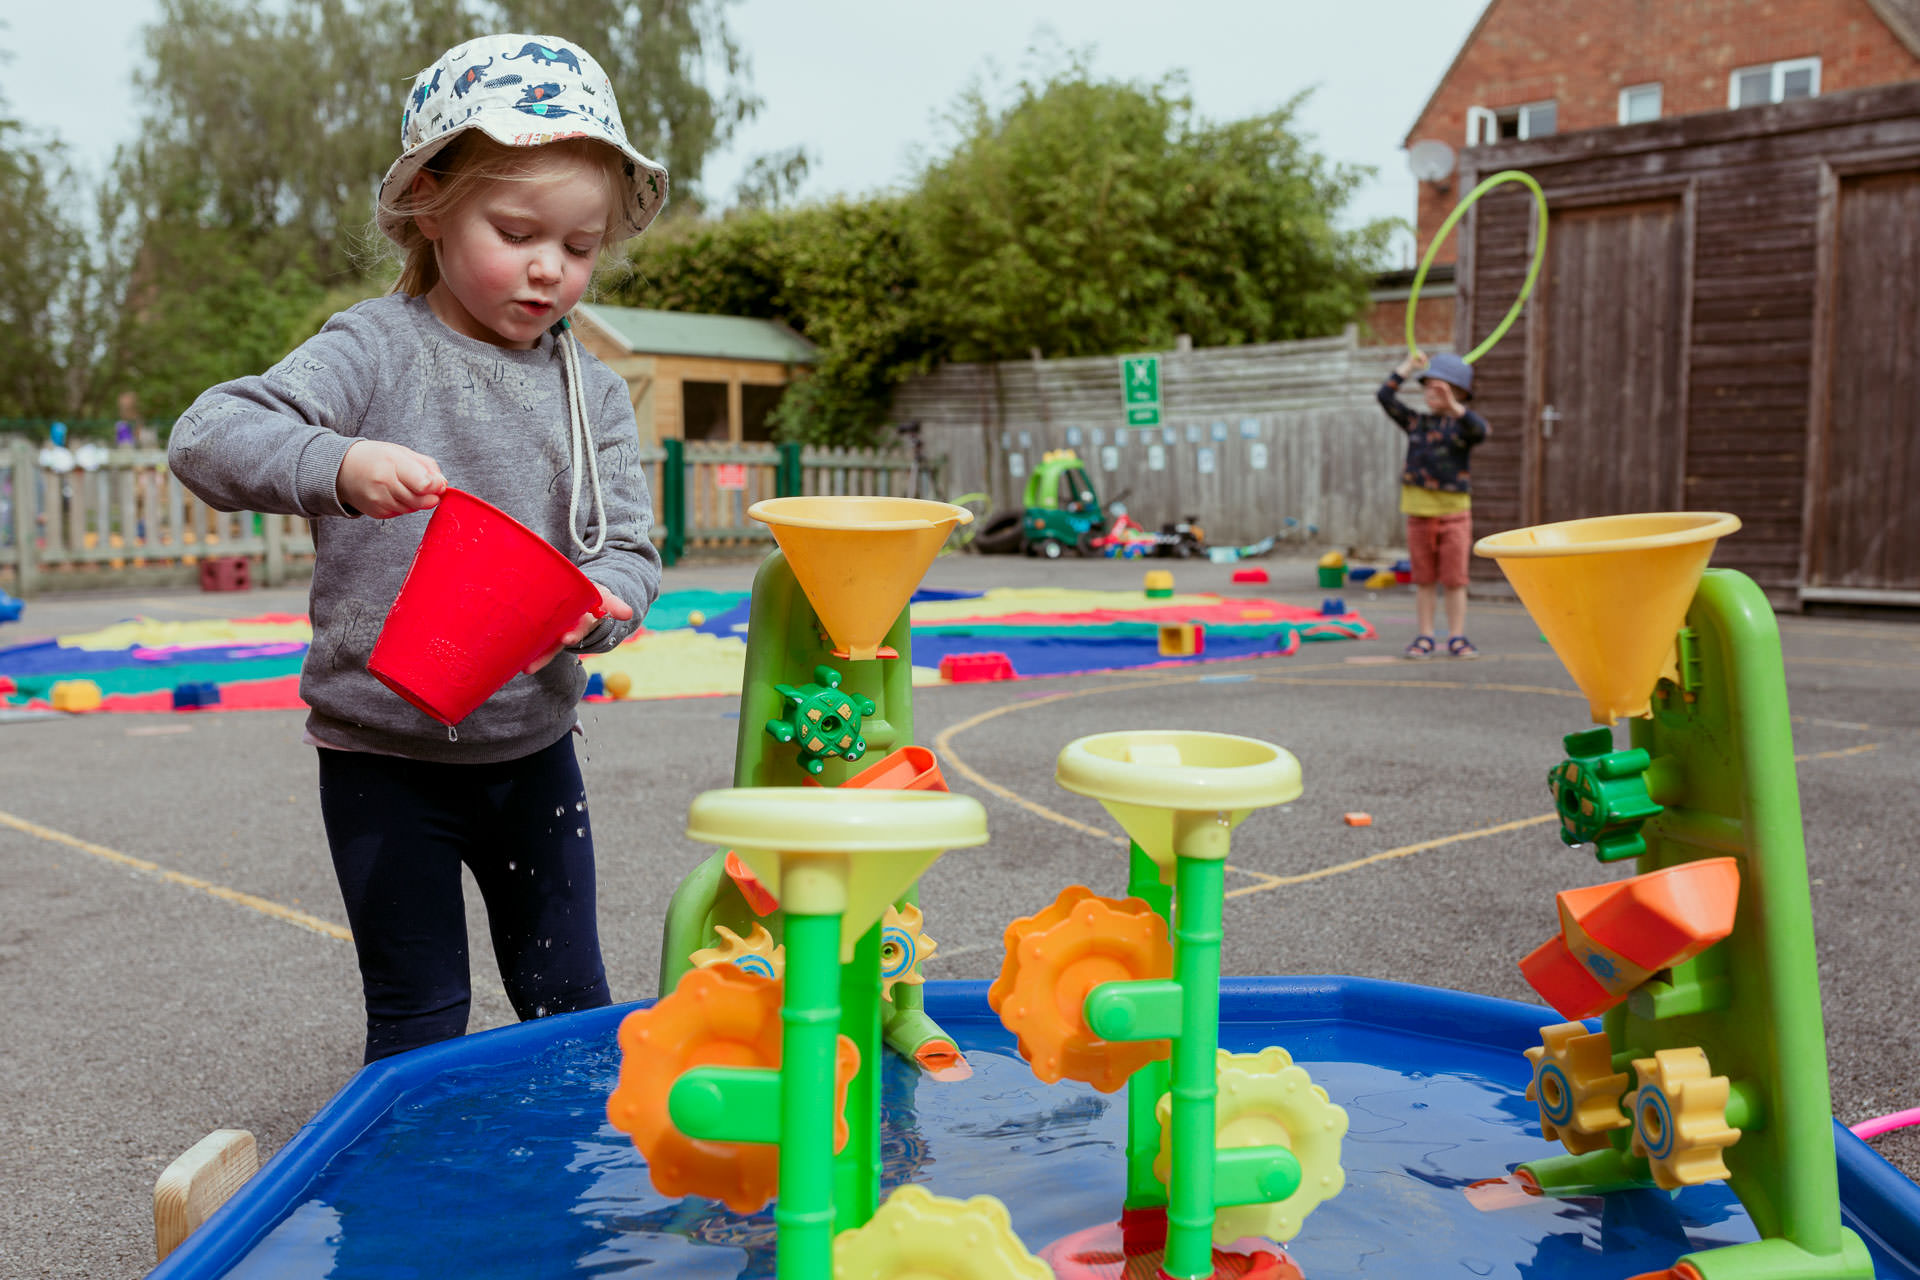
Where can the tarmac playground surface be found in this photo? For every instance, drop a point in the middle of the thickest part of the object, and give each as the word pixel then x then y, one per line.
pixel 174 957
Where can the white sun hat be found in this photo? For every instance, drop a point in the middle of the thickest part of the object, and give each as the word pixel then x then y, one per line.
pixel 521 91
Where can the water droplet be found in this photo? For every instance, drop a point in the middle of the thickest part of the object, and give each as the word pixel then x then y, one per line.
pixel 513 866
pixel 580 831
pixel 559 812
pixel 453 734
pixel 579 805
pixel 539 1011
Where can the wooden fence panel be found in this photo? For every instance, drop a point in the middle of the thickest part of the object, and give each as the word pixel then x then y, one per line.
pixel 1252 435
pixel 130 523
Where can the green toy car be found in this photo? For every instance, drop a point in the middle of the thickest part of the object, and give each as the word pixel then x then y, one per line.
pixel 1062 510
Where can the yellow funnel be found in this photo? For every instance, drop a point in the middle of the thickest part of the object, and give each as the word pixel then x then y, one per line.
pixel 1610 594
pixel 1167 788
pixel 859 559
pixel 823 851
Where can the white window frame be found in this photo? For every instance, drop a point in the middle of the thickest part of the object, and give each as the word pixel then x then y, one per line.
pixel 1659 103
pixel 1776 84
pixel 1520 115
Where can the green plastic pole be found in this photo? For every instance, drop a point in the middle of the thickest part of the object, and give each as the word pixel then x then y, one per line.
pixel 803 1214
pixel 786 478
pixel 673 500
pixel 1200 888
pixel 1149 1083
pixel 856 1169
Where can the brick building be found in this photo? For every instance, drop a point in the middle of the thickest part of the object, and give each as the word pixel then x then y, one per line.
pixel 1532 68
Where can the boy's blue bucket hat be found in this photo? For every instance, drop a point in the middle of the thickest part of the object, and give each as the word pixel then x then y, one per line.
pixel 1452 369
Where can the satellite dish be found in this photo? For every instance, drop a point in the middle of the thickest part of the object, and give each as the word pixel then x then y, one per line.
pixel 1430 159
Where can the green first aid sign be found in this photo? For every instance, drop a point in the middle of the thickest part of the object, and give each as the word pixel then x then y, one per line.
pixel 1140 390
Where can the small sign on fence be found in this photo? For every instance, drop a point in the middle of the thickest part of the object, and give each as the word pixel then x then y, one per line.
pixel 730 475
pixel 1140 390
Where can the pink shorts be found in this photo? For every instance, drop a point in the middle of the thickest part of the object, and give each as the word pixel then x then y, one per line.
pixel 1438 547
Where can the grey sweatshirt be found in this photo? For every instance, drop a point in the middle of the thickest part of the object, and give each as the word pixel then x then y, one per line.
pixel 495 419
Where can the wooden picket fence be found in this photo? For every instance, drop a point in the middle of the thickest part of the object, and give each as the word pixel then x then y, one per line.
pixel 128 523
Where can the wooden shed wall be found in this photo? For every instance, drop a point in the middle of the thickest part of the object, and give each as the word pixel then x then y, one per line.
pixel 1754 190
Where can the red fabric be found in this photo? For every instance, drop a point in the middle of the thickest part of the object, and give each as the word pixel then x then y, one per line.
pixel 1439 546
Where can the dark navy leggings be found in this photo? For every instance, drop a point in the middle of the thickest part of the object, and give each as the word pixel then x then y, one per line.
pixel 400 831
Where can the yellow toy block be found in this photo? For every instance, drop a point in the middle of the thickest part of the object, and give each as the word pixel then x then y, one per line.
pixel 76 695
pixel 1182 639
pixel 1159 584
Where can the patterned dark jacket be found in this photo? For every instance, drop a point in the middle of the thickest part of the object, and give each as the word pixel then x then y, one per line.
pixel 1436 446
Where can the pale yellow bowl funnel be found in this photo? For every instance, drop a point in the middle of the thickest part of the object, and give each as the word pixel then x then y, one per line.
pixel 859 559
pixel 823 851
pixel 1610 594
pixel 1170 788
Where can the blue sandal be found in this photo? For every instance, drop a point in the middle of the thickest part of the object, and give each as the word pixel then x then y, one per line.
pixel 1422 647
pixel 1461 647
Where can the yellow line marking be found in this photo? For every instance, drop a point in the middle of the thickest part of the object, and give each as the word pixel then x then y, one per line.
pixel 1387 855
pixel 264 906
pixel 1842 753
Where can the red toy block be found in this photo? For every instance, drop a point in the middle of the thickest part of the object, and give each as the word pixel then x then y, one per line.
pixel 226 573
pixel 969 668
pixel 1250 575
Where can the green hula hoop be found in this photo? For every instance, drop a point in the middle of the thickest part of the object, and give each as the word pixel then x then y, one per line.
pixel 1440 238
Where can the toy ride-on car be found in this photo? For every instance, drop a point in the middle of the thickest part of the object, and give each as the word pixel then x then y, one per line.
pixel 1062 510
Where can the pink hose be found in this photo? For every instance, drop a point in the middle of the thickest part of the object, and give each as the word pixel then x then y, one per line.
pixel 1884 1124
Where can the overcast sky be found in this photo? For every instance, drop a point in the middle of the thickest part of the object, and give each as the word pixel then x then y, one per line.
pixel 861 83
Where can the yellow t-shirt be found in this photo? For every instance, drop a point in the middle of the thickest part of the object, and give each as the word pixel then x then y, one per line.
pixel 1415 501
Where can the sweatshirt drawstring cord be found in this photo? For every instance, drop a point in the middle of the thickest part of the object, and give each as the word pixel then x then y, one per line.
pixel 582 454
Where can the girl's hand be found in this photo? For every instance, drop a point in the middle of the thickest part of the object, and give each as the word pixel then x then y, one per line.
pixel 1454 408
pixel 381 480
pixel 610 604
pixel 1416 359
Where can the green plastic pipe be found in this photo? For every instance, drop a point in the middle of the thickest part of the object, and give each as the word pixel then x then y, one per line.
pixel 1200 888
pixel 856 1169
pixel 1149 1084
pixel 803 1214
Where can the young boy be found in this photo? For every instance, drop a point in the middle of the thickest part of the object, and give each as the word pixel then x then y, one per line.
pixel 1436 491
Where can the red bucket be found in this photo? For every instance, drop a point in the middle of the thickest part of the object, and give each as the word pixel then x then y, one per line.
pixel 485 596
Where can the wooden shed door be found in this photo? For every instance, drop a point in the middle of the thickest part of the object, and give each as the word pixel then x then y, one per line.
pixel 1867 517
pixel 1609 415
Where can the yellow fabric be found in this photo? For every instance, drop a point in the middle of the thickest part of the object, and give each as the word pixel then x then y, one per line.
pixel 1005 600
pixel 1415 501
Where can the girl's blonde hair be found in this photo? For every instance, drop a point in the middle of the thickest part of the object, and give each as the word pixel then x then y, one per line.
pixel 464 166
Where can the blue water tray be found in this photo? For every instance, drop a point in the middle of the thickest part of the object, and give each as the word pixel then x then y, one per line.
pixel 491 1157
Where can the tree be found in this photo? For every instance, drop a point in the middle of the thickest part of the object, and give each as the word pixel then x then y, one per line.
pixel 47 281
pixel 249 195
pixel 1098 217
pixel 841 273
pixel 1084 218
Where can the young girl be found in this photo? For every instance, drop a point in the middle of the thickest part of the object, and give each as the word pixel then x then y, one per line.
pixel 515 175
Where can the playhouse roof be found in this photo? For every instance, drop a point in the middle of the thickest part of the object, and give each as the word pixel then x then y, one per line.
pixel 684 333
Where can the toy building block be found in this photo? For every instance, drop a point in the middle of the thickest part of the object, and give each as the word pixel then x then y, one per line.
pixel 1159 584
pixel 1613 937
pixel 1381 580
pixel 1182 639
pixel 618 684
pixel 76 695
pixel 196 694
pixel 1250 575
pixel 1332 607
pixel 226 573
pixel 971 668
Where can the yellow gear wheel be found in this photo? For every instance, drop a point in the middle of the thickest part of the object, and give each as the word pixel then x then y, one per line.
pixel 1576 1086
pixel 904 947
pixel 917 1235
pixel 756 953
pixel 1267 1101
pixel 1680 1118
